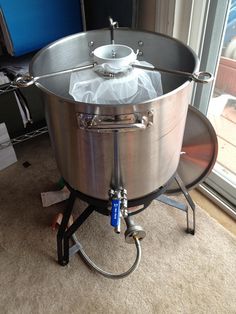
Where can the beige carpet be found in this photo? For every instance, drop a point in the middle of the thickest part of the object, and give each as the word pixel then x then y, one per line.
pixel 179 273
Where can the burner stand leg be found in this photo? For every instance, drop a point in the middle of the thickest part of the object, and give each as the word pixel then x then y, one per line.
pixel 166 200
pixel 190 202
pixel 62 228
pixel 64 234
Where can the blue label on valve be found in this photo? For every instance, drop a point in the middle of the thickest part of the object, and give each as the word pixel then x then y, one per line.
pixel 115 212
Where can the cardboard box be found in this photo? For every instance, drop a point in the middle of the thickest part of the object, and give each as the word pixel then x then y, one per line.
pixel 7 152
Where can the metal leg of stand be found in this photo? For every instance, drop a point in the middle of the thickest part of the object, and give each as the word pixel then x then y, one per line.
pixel 190 202
pixel 75 226
pixel 169 201
pixel 61 245
pixel 166 200
pixel 63 237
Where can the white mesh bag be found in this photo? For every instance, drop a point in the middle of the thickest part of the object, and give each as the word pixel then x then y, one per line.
pixel 129 85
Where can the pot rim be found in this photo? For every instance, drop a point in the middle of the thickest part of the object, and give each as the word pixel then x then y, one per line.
pixel 70 100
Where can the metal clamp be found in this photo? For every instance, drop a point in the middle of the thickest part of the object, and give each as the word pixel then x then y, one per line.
pixel 202 77
pixel 19 82
pixel 24 81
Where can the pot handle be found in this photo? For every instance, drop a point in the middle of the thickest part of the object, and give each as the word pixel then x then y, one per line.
pixel 120 123
pixel 119 127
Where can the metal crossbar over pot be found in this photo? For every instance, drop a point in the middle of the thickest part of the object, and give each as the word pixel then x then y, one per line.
pixel 27 80
pixel 108 53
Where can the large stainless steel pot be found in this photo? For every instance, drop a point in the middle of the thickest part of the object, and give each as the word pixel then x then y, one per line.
pixel 136 146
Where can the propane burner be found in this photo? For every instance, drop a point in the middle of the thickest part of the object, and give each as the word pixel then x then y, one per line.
pixel 117 203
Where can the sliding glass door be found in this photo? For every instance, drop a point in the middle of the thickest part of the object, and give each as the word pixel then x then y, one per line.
pixel 218 101
pixel 209 28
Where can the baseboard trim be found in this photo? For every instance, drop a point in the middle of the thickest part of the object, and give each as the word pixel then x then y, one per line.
pixel 217 199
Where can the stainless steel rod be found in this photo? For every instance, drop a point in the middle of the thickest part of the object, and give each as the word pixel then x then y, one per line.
pixel 76 69
pixel 27 80
pixel 199 77
pixel 148 68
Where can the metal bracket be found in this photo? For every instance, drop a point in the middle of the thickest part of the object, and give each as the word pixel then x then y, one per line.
pixel 113 26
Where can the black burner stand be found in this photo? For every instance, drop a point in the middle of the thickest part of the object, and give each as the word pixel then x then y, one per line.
pixel 65 233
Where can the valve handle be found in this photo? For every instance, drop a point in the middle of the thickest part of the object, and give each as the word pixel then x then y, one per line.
pixel 115 212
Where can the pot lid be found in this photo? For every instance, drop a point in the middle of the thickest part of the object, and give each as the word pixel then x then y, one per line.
pixel 198 153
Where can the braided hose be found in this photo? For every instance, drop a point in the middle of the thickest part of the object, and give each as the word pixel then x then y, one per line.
pixel 104 273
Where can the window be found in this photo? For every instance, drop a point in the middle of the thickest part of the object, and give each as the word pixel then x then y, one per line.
pixel 209 27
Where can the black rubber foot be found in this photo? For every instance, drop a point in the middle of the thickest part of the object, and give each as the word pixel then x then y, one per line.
pixel 190 231
pixel 63 262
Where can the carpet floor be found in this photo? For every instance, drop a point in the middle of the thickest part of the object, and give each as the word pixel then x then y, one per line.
pixel 178 273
